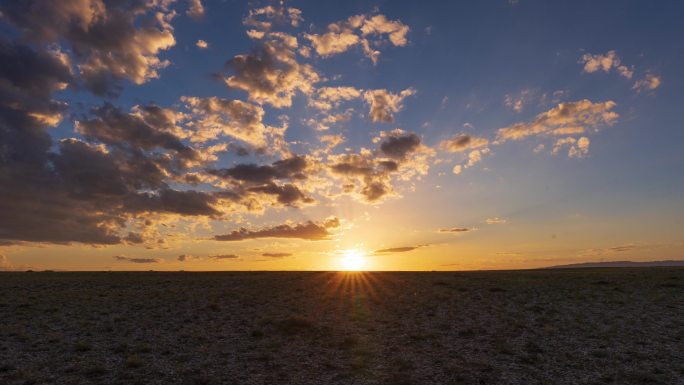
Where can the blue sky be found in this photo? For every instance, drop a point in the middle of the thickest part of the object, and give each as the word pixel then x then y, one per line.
pixel 547 132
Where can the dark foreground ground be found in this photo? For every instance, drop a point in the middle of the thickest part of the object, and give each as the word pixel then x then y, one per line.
pixel 602 326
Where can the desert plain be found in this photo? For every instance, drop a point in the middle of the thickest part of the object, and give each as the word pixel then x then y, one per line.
pixel 576 326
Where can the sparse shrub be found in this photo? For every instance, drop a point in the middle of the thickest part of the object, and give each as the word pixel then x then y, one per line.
pixel 293 325
pixel 82 346
pixel 143 348
pixel 134 361
pixel 95 371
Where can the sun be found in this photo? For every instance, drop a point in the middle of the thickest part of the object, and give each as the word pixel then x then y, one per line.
pixel 353 260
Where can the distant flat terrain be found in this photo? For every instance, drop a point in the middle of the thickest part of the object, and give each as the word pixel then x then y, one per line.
pixel 586 326
pixel 669 263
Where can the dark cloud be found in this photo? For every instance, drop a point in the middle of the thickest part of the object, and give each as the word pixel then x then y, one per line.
pixel 185 257
pixel 463 142
pixel 261 180
pixel 74 191
pixel 288 195
pixel 137 260
pixel 456 230
pixel 146 130
pixel 308 230
pixel 223 256
pixel 403 249
pixel 109 40
pixel 134 238
pixel 375 174
pixel 35 205
pixel 271 73
pixel 289 168
pixel 173 201
pixel 276 255
pixel 398 147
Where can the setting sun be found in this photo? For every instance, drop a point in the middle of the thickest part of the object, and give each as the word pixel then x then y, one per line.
pixel 353 260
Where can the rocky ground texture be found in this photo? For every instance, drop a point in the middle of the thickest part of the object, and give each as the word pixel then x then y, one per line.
pixel 584 326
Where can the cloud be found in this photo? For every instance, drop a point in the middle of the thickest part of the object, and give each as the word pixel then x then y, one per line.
pixel 379 25
pixel 577 148
pixel 313 231
pixel 327 98
pixel 457 169
pixel 292 168
pixel 518 102
pixel 605 62
pixel 223 256
pixel 247 179
pixel 276 255
pixel 474 157
pixel 287 195
pixel 613 250
pixel 122 258
pixel 195 9
pixel 109 41
pixel 399 147
pixel 214 116
pixel 147 128
pixel 339 38
pixel 362 30
pixel 462 142
pixel 384 104
pixel 392 250
pixel 271 74
pixel 649 83
pixel 192 258
pixel 610 60
pixel 576 117
pixel 332 141
pixel 187 257
pixel 457 230
pixel 201 44
pixel 369 175
pixel 495 221
pixel 263 18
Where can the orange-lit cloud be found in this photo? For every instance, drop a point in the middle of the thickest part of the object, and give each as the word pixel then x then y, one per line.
pixel 311 231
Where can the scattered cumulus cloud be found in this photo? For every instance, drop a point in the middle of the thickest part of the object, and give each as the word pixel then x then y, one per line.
pixel 195 9
pixel 605 62
pixel 495 221
pixel 568 117
pixel 384 104
pixel 312 231
pixel 362 30
pixel 648 83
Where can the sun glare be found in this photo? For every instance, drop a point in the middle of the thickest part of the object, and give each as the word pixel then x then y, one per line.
pixel 353 260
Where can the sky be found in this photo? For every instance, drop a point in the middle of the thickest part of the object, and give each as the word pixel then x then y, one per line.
pixel 309 135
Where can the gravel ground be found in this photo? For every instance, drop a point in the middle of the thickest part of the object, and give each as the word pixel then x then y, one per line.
pixel 598 326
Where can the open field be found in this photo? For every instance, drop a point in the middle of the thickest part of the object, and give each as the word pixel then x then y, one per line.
pixel 598 326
